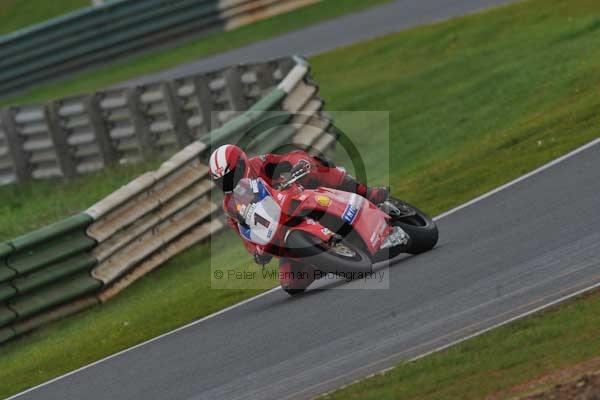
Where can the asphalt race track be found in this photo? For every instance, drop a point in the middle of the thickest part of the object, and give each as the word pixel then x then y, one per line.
pixel 343 31
pixel 525 246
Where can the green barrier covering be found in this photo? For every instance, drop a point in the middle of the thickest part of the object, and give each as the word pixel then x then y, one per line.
pixel 6 273
pixel 101 38
pixel 5 250
pixel 6 315
pixel 54 272
pixel 44 28
pixel 32 266
pixel 79 23
pixel 86 37
pixel 7 334
pixel 54 251
pixel 79 19
pixel 48 232
pixel 55 294
pixel 6 291
pixel 70 308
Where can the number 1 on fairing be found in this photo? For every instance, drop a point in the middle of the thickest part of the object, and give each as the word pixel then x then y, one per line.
pixel 260 220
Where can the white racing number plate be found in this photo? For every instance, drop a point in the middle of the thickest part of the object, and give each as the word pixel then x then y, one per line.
pixel 262 217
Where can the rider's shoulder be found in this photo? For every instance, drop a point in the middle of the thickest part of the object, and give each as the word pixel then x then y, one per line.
pixel 297 152
pixel 261 157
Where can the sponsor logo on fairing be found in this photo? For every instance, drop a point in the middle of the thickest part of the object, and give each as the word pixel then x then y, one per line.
pixel 248 212
pixel 349 214
pixel 323 200
pixel 376 236
pixel 354 205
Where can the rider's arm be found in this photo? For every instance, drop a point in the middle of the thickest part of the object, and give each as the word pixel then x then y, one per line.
pixel 322 171
pixel 273 165
pixel 258 253
pixel 231 212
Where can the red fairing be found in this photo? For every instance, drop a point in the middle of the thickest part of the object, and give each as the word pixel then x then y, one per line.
pixel 373 226
pixel 265 216
pixel 366 219
pixel 314 228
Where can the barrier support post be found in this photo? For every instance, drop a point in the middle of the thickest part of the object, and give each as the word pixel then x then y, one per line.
pixel 15 145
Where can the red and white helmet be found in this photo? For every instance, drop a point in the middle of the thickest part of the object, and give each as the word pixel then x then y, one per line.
pixel 228 164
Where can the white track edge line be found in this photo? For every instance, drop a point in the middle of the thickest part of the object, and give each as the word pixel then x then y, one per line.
pixel 521 178
pixel 443 215
pixel 215 314
pixel 508 321
pixel 463 339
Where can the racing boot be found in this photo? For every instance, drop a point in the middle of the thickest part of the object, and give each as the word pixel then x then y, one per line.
pixel 295 277
pixel 376 195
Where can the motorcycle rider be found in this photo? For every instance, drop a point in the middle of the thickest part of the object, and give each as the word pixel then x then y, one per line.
pixel 229 164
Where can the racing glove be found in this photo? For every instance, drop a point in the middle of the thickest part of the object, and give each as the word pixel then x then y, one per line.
pixel 300 166
pixel 309 181
pixel 262 258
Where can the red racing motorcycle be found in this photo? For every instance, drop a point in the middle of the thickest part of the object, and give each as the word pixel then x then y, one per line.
pixel 329 230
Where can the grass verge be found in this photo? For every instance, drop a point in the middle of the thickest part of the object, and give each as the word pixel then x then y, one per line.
pixel 475 102
pixel 157 60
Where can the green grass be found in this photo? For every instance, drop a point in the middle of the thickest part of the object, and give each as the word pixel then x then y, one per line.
pixel 474 103
pixel 22 210
pixel 17 14
pixel 477 100
pixel 217 42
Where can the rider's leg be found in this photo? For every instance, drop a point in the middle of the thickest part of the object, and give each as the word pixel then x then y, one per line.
pixel 376 195
pixel 337 177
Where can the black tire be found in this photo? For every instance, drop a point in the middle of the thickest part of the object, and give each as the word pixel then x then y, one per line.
pixel 294 292
pixel 315 252
pixel 420 227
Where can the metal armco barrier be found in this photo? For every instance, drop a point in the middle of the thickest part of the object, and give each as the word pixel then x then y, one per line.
pixel 88 258
pixel 92 35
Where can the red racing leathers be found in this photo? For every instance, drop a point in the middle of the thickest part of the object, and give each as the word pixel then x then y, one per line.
pixel 270 166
